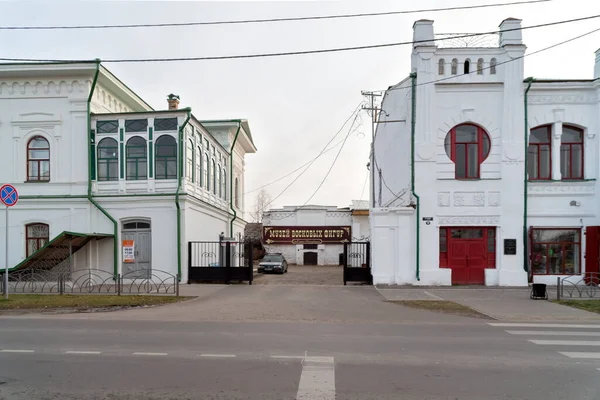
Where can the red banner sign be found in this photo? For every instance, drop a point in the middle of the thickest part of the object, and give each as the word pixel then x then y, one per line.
pixel 306 234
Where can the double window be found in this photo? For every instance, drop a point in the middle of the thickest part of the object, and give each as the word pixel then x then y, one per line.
pixel 108 160
pixel 38 160
pixel 539 161
pixel 36 237
pixel 468 146
pixel 166 157
pixel 555 251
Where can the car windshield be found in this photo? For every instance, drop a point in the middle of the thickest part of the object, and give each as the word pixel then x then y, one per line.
pixel 272 258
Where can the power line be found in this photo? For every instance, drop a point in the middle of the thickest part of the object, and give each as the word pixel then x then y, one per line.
pixel 302 52
pixel 357 109
pixel 333 163
pixel 252 21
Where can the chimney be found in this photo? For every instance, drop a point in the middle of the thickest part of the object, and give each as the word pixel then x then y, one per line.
pixel 597 65
pixel 514 36
pixel 423 33
pixel 173 101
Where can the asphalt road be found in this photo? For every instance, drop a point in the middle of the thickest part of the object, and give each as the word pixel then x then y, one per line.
pixel 459 358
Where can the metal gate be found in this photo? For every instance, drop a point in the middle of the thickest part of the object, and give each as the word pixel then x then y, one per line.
pixel 357 262
pixel 222 261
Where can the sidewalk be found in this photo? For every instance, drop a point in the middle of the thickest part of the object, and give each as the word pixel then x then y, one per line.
pixel 504 304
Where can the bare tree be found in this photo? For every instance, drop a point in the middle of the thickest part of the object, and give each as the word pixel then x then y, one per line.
pixel 261 204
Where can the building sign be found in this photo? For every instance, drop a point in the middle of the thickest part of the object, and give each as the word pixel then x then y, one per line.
pixel 510 246
pixel 128 251
pixel 306 234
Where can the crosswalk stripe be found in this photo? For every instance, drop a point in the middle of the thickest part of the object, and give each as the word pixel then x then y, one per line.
pixel 534 325
pixel 567 342
pixel 554 333
pixel 317 380
pixel 582 354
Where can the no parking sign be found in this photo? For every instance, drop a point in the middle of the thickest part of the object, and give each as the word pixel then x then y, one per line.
pixel 9 197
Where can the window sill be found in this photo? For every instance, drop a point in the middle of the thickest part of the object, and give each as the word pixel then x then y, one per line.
pixel 37 181
pixel 562 180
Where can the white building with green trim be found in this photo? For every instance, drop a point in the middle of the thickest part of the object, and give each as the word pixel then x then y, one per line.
pixel 97 167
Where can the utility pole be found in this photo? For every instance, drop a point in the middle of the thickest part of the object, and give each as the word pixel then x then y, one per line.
pixel 373 108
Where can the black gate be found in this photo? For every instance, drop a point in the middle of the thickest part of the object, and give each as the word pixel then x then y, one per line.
pixel 357 262
pixel 222 261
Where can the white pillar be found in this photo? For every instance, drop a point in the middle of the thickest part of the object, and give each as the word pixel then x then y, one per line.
pixel 556 140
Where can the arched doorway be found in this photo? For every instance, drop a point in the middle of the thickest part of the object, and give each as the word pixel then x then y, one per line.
pixel 138 235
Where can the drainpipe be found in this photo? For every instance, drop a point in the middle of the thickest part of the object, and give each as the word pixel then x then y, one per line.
pixel 525 141
pixel 231 194
pixel 413 105
pixel 181 142
pixel 91 161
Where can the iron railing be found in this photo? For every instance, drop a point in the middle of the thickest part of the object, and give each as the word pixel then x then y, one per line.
pixel 579 286
pixel 92 281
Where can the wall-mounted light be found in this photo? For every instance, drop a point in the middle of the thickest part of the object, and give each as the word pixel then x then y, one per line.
pixel 574 203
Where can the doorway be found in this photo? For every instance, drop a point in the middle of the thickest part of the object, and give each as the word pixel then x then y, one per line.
pixel 468 252
pixel 140 266
pixel 311 258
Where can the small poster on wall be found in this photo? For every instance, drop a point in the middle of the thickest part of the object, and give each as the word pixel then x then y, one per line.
pixel 128 252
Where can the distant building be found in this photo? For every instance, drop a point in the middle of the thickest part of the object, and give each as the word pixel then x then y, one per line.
pixel 314 235
pixel 501 187
pixel 105 177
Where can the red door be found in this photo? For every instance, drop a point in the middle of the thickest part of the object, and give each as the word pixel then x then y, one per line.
pixel 592 254
pixel 468 254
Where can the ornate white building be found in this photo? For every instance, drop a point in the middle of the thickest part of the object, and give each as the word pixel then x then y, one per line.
pixel 485 177
pixel 125 185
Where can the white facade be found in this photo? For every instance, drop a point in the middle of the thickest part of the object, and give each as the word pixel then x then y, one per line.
pixel 320 217
pixel 127 174
pixel 472 100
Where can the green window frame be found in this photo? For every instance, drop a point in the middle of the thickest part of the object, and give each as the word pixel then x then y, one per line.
pixel 214 176
pixel 206 172
pixel 190 161
pixel 108 160
pixel 137 159
pixel 199 179
pixel 165 157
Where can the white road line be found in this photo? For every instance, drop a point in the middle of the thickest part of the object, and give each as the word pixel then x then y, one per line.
pixel 432 295
pixel 554 333
pixel 82 352
pixel 530 325
pixel 16 351
pixel 149 354
pixel 567 342
pixel 583 354
pixel 287 357
pixel 317 380
pixel 218 355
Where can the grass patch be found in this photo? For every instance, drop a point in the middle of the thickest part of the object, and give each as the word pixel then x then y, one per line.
pixel 587 305
pixel 82 302
pixel 442 306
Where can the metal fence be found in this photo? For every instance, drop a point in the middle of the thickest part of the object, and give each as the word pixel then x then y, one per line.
pixel 60 281
pixel 357 262
pixel 222 261
pixel 580 286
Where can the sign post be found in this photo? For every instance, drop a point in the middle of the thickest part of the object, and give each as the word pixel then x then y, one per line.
pixel 9 197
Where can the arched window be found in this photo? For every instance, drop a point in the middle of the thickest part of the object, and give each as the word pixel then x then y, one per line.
pixel 190 159
pixel 199 166
pixel 214 176
pixel 38 159
pixel 480 66
pixel 441 67
pixel 220 188
pixel 467 146
pixel 539 153
pixel 454 67
pixel 36 237
pixel 166 157
pixel 571 153
pixel 493 66
pixel 108 160
pixel 137 159
pixel 237 194
pixel 467 68
pixel 206 172
pixel 224 184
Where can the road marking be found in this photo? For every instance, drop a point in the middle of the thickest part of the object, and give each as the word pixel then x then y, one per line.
pixel 82 352
pixel 284 357
pixel 317 380
pixel 554 333
pixel 583 354
pixel 16 351
pixel 218 355
pixel 432 295
pixel 149 354
pixel 529 325
pixel 567 342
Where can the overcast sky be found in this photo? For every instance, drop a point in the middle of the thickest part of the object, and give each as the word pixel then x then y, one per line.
pixel 294 104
